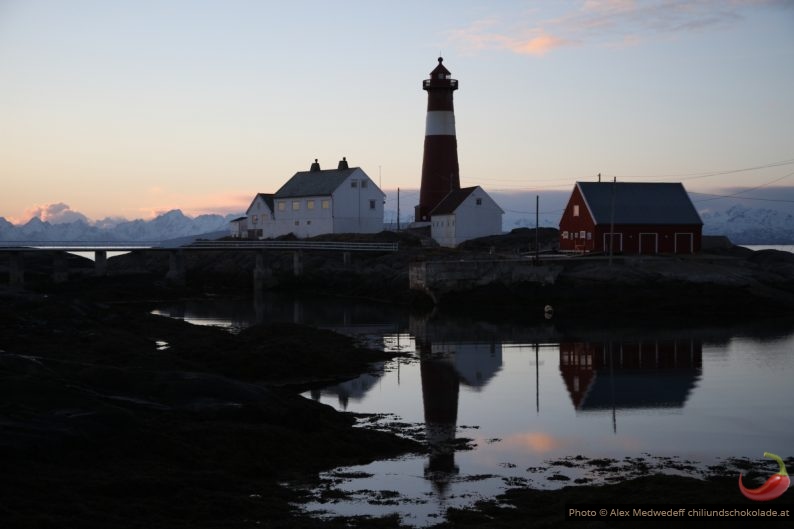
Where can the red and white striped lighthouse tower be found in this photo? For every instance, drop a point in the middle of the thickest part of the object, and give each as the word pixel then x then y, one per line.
pixel 440 173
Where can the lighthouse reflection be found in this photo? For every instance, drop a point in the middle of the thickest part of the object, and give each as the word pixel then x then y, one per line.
pixel 444 366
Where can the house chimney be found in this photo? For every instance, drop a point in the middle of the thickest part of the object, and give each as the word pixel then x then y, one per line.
pixel 343 164
pixel 315 166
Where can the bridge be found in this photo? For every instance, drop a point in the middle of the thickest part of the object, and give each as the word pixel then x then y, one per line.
pixel 176 272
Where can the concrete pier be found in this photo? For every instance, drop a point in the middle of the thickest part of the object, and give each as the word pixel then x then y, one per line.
pixel 16 269
pixel 60 268
pixel 100 263
pixel 176 267
pixel 438 277
pixel 297 263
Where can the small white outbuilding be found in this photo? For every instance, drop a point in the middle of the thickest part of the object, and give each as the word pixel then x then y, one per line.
pixel 464 214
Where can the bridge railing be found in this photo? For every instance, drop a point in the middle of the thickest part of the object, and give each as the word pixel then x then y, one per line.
pixel 296 245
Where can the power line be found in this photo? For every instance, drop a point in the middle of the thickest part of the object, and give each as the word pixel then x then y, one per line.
pixel 765 184
pixel 693 176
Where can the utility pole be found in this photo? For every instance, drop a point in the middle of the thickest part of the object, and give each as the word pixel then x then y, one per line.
pixel 612 221
pixel 398 209
pixel 537 227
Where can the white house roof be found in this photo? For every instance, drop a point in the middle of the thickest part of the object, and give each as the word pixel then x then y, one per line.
pixel 639 203
pixel 314 183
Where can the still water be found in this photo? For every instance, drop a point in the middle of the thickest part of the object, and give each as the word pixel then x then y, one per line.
pixel 526 399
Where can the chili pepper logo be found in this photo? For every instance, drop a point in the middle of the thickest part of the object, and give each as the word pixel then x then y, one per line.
pixel 774 487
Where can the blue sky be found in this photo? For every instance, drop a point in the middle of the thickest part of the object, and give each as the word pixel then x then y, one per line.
pixel 128 108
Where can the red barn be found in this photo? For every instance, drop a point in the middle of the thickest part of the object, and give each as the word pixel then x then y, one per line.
pixel 648 218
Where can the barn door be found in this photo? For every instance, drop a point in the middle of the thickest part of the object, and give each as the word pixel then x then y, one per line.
pixel 617 242
pixel 683 243
pixel 648 243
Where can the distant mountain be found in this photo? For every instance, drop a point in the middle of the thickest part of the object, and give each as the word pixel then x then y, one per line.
pixel 171 225
pixel 744 225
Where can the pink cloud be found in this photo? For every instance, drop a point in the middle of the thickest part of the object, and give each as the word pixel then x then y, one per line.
pixel 58 213
pixel 612 23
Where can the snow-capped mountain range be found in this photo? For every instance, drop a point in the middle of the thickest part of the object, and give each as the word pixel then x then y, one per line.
pixel 741 224
pixel 170 225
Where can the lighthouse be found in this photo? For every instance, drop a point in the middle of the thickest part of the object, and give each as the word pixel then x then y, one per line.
pixel 440 173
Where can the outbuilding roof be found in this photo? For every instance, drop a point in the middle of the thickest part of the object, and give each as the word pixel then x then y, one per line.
pixel 639 203
pixel 450 203
pixel 267 197
pixel 314 183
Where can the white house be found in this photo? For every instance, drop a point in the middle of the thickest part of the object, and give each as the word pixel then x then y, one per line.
pixel 465 214
pixel 238 228
pixel 259 216
pixel 314 202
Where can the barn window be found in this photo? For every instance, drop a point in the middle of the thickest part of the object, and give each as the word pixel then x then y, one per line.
pixel 565 235
pixel 581 234
pixel 589 235
pixel 576 210
pixel 296 205
pixel 326 204
pixel 310 204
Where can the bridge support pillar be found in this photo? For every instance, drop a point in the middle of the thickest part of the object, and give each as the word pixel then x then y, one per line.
pixel 16 269
pixel 297 263
pixel 346 258
pixel 60 268
pixel 176 267
pixel 262 274
pixel 100 263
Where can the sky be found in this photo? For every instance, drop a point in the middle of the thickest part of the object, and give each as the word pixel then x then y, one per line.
pixel 131 108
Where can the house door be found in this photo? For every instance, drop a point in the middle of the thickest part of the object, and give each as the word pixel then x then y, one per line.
pixel 648 243
pixel 683 243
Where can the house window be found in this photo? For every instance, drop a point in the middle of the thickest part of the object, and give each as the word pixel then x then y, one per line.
pixel 479 202
pixel 310 204
pixel 576 210
pixel 325 204
pixel 371 204
pixel 575 235
pixel 589 235
pixel 581 234
pixel 565 235
pixel 297 223
pixel 255 219
pixel 296 205
pixel 282 205
pixel 354 183
pixel 363 183
pixel 308 222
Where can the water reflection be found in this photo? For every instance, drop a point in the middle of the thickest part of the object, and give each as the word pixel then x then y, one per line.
pixel 626 375
pixel 541 392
